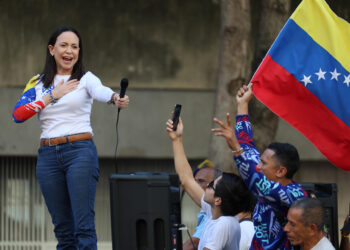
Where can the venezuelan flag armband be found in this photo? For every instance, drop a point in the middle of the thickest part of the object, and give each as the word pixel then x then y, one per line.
pixel 27 106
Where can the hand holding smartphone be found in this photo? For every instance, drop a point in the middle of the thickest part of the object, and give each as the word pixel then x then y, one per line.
pixel 176 116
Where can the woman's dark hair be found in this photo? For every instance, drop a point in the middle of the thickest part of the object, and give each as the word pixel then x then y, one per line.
pixel 234 194
pixel 50 69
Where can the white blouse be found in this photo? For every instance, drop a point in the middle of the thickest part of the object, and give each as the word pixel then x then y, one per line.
pixel 71 113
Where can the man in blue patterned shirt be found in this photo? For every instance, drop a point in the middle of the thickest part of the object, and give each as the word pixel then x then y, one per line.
pixel 268 176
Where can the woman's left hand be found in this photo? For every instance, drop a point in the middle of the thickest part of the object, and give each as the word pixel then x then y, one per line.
pixel 121 102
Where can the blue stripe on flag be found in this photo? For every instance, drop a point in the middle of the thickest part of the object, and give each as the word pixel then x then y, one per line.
pixel 301 56
pixel 27 97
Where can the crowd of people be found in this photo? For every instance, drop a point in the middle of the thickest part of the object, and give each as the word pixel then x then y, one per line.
pixel 262 208
pixel 284 216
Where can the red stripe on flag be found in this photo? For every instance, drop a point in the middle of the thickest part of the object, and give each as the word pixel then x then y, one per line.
pixel 284 95
pixel 24 112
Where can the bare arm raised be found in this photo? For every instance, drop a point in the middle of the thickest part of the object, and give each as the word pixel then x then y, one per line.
pixel 182 167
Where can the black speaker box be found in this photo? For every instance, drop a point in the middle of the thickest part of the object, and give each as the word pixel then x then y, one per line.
pixel 327 194
pixel 145 211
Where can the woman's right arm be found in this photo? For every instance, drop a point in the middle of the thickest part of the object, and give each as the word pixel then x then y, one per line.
pixel 28 104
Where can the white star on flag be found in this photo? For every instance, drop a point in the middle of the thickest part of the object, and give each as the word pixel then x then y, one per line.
pixel 321 74
pixel 335 75
pixel 306 80
pixel 347 80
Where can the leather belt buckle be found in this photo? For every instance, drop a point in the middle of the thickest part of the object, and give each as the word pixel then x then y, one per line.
pixel 65 139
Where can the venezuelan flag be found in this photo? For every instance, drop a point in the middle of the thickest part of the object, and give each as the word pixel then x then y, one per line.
pixel 305 79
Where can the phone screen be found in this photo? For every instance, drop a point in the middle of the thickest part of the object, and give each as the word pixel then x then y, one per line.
pixel 176 115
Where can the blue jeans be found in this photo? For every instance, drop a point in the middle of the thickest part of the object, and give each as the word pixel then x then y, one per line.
pixel 68 175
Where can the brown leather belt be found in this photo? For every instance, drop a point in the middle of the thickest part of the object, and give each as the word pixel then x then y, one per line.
pixel 65 139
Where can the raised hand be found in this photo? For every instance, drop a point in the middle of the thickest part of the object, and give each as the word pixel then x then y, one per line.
pixel 174 134
pixel 243 97
pixel 227 131
pixel 244 94
pixel 63 88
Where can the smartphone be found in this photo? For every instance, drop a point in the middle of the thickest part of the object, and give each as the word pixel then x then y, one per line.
pixel 176 115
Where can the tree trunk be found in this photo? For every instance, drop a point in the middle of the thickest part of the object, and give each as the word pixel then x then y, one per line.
pixel 234 70
pixel 234 67
pixel 273 15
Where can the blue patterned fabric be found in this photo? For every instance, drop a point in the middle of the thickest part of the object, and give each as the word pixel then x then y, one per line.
pixel 274 199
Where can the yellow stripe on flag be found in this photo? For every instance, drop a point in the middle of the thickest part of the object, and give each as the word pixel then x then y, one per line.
pixel 31 83
pixel 326 28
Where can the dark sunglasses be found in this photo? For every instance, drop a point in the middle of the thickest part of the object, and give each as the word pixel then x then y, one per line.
pixel 211 185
